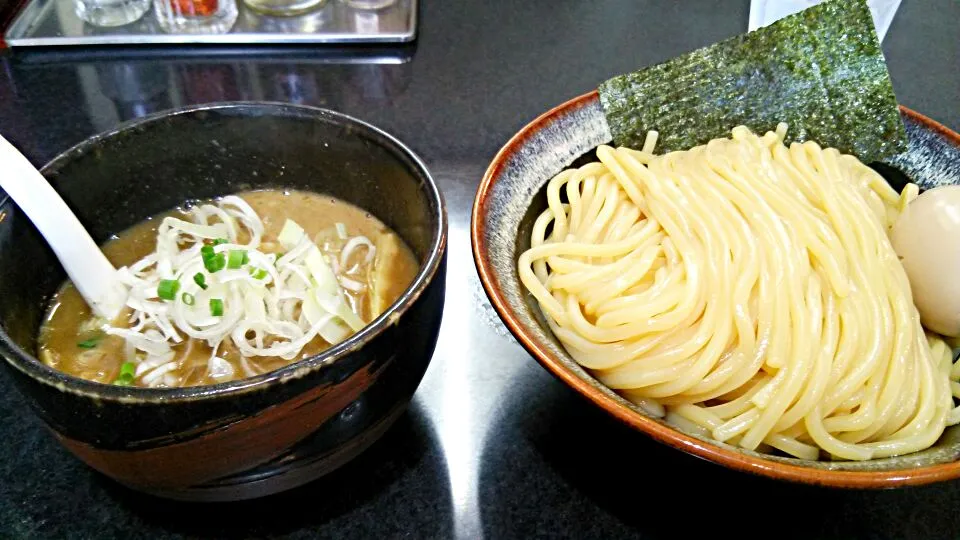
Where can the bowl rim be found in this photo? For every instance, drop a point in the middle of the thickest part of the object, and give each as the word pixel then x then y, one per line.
pixel 659 431
pixel 32 367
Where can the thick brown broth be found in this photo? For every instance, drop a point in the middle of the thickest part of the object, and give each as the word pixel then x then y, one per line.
pixel 71 341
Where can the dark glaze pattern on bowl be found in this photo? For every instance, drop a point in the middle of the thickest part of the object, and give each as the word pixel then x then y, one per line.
pixel 512 195
pixel 259 435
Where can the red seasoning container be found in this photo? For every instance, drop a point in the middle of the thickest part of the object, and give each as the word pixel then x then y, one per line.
pixel 195 8
pixel 196 16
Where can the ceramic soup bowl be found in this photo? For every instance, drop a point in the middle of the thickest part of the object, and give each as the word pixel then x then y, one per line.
pixel 255 436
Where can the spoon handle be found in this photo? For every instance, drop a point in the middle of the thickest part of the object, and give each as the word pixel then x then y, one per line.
pixel 88 268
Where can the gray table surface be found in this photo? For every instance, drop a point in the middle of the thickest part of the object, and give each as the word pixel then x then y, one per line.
pixel 492 446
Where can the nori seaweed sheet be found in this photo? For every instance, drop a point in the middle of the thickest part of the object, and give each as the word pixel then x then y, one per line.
pixel 820 70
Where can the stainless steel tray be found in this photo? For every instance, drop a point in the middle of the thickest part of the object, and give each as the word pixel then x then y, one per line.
pixel 54 23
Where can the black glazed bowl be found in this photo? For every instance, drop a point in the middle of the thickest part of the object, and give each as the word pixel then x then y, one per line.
pixel 264 434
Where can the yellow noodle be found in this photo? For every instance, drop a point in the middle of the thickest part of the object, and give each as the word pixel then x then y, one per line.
pixel 747 291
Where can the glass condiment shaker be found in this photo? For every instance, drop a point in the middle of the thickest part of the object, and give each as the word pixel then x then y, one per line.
pixel 284 7
pixel 110 12
pixel 196 16
pixel 369 4
pixel 307 23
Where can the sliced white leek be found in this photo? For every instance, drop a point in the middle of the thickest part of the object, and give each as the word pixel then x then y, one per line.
pixel 271 306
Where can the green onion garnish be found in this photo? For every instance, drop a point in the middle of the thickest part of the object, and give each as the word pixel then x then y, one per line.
pixel 128 368
pixel 215 263
pixel 216 307
pixel 237 258
pixel 167 289
pixel 212 261
pixel 258 273
pixel 90 343
pixel 200 280
pixel 127 373
pixel 219 241
pixel 188 298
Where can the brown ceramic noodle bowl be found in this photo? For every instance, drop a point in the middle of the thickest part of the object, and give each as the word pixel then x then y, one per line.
pixel 512 195
pixel 263 434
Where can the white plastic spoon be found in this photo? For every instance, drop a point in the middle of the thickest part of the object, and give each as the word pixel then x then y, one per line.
pixel 80 256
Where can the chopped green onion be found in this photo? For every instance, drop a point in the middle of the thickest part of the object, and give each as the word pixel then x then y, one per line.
pixel 128 368
pixel 207 253
pixel 215 263
pixel 90 343
pixel 216 307
pixel 126 375
pixel 188 299
pixel 219 241
pixel 167 289
pixel 258 273
pixel 236 258
pixel 246 258
pixel 200 280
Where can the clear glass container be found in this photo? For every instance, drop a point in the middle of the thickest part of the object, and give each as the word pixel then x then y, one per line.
pixel 110 12
pixel 196 16
pixel 284 7
pixel 308 23
pixel 369 4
